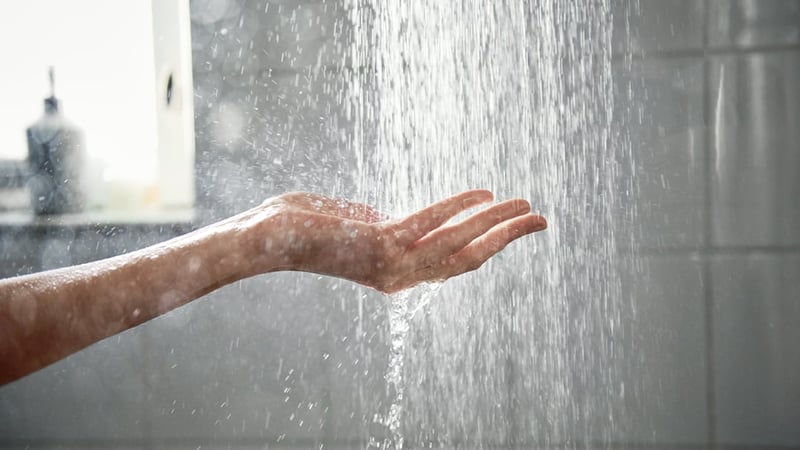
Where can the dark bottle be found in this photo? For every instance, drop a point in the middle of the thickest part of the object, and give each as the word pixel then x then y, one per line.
pixel 56 157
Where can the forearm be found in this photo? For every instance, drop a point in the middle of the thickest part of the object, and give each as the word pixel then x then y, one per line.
pixel 47 316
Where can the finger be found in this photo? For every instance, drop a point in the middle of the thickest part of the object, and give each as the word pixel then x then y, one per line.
pixel 447 241
pixel 480 250
pixel 336 207
pixel 428 219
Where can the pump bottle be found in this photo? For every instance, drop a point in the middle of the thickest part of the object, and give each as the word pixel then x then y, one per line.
pixel 56 158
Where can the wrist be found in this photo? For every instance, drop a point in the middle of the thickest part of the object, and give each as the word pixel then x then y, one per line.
pixel 250 242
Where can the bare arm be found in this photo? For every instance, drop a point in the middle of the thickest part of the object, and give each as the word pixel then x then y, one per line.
pixel 47 316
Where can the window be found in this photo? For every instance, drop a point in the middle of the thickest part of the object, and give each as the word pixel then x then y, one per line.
pixel 123 76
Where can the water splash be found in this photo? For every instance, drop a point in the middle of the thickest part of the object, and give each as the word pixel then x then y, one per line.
pixel 403 306
pixel 514 96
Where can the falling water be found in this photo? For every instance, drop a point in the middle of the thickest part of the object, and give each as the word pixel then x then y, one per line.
pixel 513 96
pixel 404 305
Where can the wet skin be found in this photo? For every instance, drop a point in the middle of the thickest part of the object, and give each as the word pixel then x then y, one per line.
pixel 47 316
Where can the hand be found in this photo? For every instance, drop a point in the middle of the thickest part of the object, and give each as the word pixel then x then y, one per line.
pixel 312 233
pixel 291 232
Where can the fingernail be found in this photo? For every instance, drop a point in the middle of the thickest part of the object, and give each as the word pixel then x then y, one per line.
pixel 541 225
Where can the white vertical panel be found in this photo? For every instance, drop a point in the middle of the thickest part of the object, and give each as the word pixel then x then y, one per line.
pixel 174 116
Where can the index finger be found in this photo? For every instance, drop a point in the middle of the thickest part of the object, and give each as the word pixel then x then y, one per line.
pixel 428 219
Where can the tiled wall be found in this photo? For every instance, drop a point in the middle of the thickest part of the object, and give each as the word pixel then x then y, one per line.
pixel 280 360
pixel 719 154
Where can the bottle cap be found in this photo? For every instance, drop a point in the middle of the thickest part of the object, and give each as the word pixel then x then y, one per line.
pixel 51 103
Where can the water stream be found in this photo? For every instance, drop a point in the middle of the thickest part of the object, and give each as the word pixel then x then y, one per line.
pixel 402 309
pixel 517 97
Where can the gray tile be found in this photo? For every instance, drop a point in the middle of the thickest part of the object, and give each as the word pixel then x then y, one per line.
pixel 756 358
pixel 458 358
pixel 19 252
pixel 29 249
pixel 207 11
pixel 246 362
pixel 292 139
pixel 96 394
pixel 12 198
pixel 746 23
pixel 295 36
pixel 296 111
pixel 359 357
pixel 756 149
pixel 633 371
pixel 81 444
pixel 656 25
pixel 269 109
pixel 660 104
pixel 299 33
pixel 446 397
pixel 237 445
pixel 665 380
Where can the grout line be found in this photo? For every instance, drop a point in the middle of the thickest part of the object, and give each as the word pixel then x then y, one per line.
pixel 705 51
pixel 708 291
pixel 743 250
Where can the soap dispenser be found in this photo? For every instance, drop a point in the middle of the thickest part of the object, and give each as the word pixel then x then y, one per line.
pixel 56 158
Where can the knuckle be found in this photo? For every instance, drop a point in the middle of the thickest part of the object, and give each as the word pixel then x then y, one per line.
pixel 292 197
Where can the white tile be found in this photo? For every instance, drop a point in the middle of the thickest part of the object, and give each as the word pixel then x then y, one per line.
pixel 756 357
pixel 756 149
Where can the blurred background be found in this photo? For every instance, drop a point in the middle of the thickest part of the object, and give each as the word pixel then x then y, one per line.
pixel 297 361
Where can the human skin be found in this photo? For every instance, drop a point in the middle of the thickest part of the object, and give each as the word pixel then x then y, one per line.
pixel 47 316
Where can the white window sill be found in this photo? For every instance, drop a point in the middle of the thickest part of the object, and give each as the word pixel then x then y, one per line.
pixel 15 211
pixel 101 218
